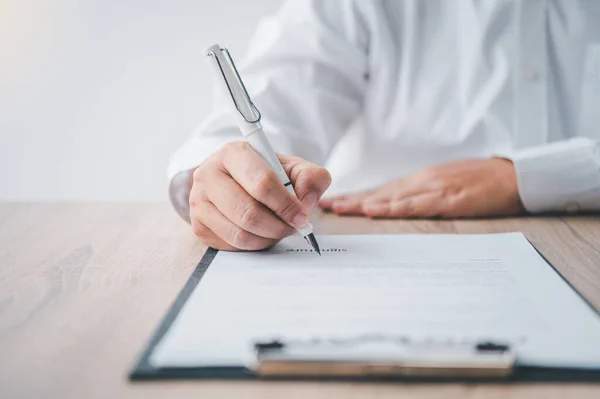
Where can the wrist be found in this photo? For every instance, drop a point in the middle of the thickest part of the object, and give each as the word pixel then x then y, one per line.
pixel 506 176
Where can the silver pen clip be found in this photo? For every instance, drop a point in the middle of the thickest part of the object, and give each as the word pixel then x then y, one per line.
pixel 230 60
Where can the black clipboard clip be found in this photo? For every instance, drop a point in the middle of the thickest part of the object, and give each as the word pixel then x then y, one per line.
pixel 384 357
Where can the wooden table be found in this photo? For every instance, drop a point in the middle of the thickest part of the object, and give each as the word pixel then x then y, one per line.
pixel 83 286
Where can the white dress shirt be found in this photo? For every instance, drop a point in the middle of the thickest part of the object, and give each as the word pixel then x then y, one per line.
pixel 423 83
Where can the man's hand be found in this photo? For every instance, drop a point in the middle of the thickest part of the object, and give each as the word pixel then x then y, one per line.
pixel 237 202
pixel 459 189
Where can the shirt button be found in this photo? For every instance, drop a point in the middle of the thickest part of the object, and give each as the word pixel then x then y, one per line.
pixel 572 207
pixel 532 75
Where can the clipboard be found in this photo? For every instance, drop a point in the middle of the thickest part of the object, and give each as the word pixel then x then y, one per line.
pixel 327 358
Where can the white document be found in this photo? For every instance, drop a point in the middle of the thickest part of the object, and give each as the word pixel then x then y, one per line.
pixel 461 287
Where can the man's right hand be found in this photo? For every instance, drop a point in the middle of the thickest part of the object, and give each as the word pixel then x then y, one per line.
pixel 237 202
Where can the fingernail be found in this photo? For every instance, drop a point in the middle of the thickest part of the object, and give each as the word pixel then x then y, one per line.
pixel 300 220
pixel 310 200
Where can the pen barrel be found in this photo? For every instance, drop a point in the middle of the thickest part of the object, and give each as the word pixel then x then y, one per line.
pixel 246 115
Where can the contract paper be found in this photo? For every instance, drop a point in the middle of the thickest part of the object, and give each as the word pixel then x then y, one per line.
pixel 422 287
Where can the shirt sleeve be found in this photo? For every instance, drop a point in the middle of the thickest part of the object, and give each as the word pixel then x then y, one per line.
pixel 306 72
pixel 560 176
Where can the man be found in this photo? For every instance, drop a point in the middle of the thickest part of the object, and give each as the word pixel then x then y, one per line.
pixel 467 108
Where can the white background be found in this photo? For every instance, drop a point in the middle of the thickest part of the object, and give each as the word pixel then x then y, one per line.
pixel 96 95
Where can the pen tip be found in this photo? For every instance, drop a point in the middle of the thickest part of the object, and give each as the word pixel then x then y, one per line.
pixel 312 241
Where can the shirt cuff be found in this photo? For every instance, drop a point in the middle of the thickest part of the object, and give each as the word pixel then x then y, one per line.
pixel 561 176
pixel 179 193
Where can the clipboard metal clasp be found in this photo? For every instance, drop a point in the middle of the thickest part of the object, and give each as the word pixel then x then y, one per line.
pixel 384 357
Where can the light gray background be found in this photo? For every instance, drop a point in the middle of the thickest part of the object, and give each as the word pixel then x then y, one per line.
pixel 96 95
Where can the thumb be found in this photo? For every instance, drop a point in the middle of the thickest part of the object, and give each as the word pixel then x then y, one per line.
pixel 309 180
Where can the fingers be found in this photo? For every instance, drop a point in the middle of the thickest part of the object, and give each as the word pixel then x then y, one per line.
pixel 350 204
pixel 231 234
pixel 401 189
pixel 423 205
pixel 326 203
pixel 243 210
pixel 208 237
pixel 310 180
pixel 238 203
pixel 257 178
pixel 391 193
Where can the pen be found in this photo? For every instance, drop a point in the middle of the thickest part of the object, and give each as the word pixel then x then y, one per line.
pixel 248 119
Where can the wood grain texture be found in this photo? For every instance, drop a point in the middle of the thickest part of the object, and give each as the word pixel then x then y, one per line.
pixel 83 286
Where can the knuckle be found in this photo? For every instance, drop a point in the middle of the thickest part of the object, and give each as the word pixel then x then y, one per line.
pixel 250 215
pixel 450 191
pixel 241 239
pixel 223 153
pixel 198 173
pixel 199 230
pixel 287 208
pixel 231 149
pixel 204 170
pixel 197 196
pixel 264 184
pixel 236 145
pixel 312 178
pixel 409 207
pixel 449 207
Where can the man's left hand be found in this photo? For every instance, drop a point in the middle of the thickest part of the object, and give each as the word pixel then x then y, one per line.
pixel 467 188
